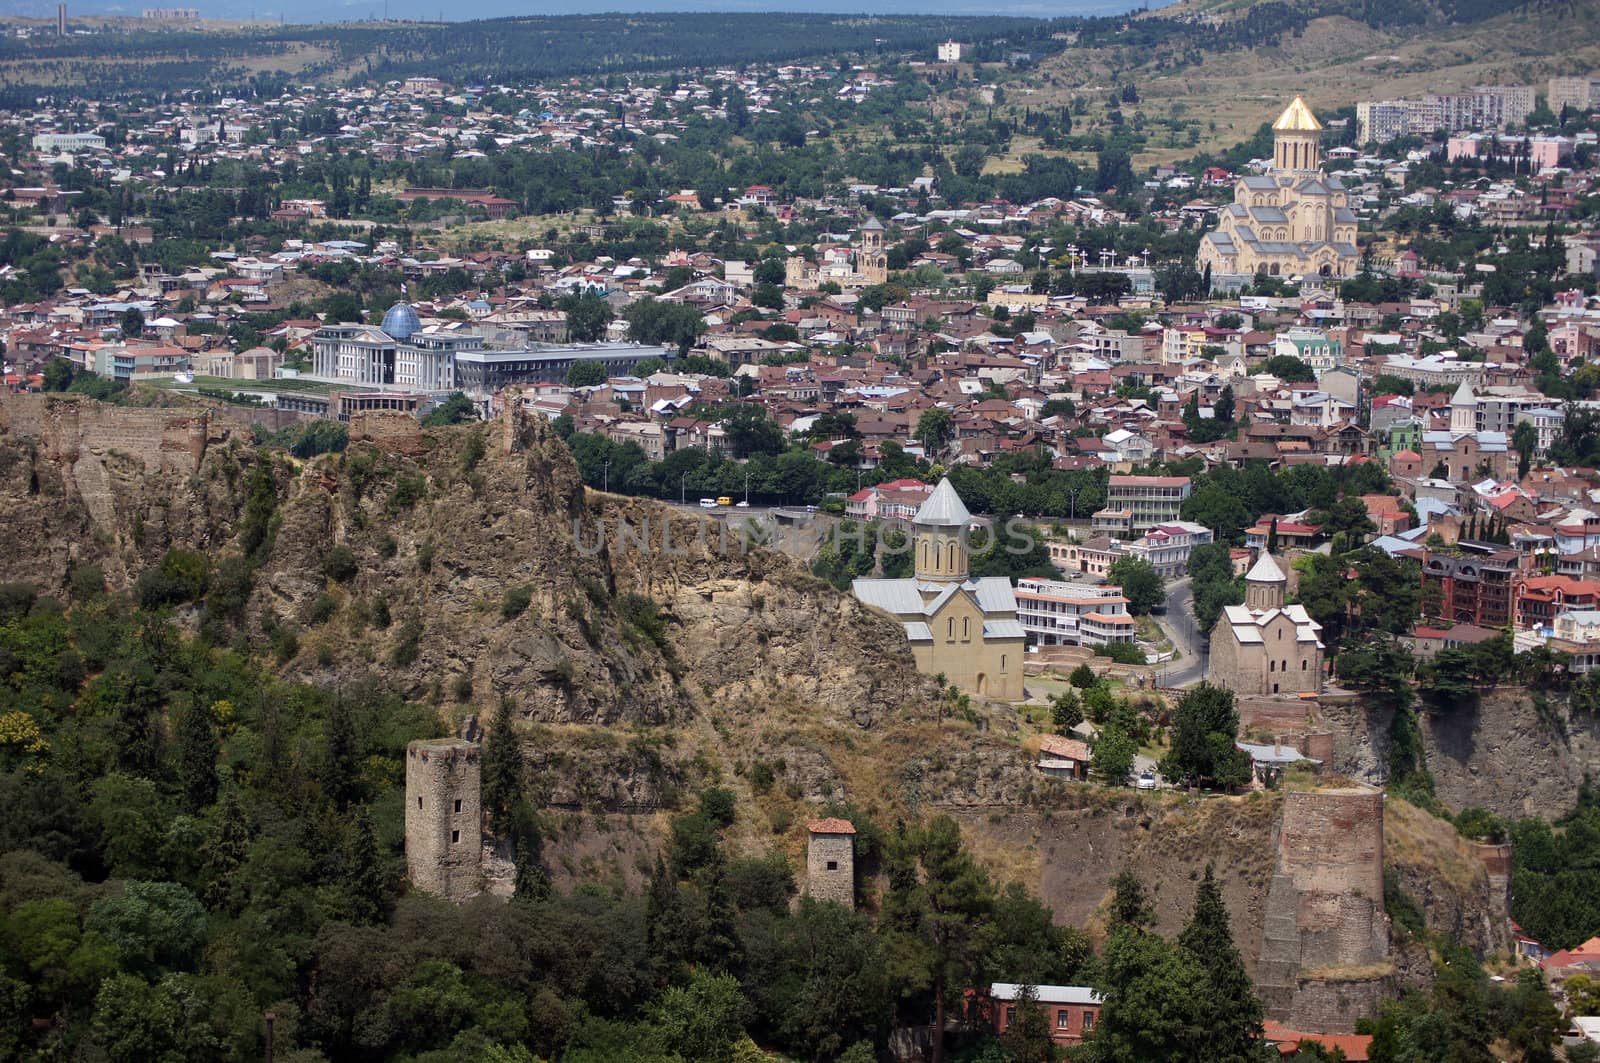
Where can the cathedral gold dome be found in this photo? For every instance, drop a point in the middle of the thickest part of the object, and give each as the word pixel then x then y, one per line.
pixel 1297 118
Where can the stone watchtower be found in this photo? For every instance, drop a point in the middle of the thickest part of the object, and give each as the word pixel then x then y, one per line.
pixel 444 819
pixel 1265 585
pixel 874 263
pixel 831 861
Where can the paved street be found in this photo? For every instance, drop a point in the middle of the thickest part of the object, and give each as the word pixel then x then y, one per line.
pixel 1180 628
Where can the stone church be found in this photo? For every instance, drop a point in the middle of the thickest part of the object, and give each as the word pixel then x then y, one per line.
pixel 1265 646
pixel 1293 221
pixel 965 628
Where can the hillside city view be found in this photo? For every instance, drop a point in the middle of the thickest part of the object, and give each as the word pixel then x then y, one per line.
pixel 801 537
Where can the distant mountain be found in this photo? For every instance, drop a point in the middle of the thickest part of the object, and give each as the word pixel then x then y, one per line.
pixel 308 11
pixel 1379 14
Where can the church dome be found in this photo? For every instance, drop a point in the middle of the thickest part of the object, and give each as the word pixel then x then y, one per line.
pixel 401 322
pixel 1297 118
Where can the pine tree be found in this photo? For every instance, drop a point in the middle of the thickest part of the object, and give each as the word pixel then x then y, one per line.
pixel 197 758
pixel 1027 1037
pixel 226 847
pixel 718 947
pixel 367 881
pixel 532 881
pixel 666 930
pixel 1236 1013
pixel 339 733
pixel 502 769
pixel 1272 537
pixel 1129 905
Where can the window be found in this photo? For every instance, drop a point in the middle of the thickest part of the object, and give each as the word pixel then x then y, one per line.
pixel 1272 666
pixel 455 837
pixel 833 865
pixel 458 805
pixel 1011 1015
pixel 1088 1021
pixel 966 627
pixel 1303 663
pixel 950 629
pixel 1063 1019
pixel 419 802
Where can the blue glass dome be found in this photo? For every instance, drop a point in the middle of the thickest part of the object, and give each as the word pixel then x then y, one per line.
pixel 401 322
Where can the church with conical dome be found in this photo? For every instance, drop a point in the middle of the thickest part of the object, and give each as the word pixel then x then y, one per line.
pixel 1292 221
pixel 1266 646
pixel 963 628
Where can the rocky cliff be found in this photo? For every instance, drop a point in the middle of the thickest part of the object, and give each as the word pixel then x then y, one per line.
pixel 646 653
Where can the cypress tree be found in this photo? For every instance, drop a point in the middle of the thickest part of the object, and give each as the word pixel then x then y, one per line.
pixel 1235 1011
pixel 502 769
pixel 367 882
pixel 339 733
pixel 226 848
pixel 532 882
pixel 197 758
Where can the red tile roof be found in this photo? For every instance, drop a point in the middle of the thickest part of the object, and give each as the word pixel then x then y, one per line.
pixel 831 826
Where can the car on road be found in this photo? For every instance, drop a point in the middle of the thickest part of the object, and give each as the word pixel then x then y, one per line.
pixel 1147 780
pixel 708 503
pixel 741 505
pixel 725 500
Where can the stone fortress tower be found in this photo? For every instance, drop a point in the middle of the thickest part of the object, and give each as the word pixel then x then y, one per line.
pixel 444 817
pixel 1325 940
pixel 831 861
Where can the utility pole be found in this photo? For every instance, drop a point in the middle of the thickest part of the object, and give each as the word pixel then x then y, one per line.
pixel 747 487
pixel 605 481
pixel 271 1017
pixel 682 488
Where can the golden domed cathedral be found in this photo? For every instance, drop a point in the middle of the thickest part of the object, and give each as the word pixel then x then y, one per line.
pixel 1294 220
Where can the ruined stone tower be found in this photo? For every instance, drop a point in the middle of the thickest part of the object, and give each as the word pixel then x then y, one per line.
pixel 444 819
pixel 1325 940
pixel 831 861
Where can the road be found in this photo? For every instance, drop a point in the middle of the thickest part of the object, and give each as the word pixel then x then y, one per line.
pixel 1180 628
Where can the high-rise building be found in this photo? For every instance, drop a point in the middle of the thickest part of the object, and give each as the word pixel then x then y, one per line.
pixel 1574 93
pixel 61 20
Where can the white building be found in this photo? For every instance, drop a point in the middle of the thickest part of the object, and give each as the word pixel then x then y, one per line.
pixel 1167 546
pixel 1058 613
pixel 950 51
pixel 69 142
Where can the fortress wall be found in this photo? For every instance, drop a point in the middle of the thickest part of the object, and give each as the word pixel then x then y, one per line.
pixel 393 431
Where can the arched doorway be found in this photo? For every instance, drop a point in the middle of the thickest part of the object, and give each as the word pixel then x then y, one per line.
pixel 982 684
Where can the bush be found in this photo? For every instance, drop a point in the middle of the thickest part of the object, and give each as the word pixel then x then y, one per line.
pixel 181 577
pixel 516 602
pixel 1083 677
pixel 409 646
pixel 1121 652
pixel 322 609
pixel 408 491
pixel 339 563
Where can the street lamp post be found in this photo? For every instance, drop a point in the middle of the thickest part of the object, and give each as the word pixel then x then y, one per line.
pixel 605 476
pixel 683 482
pixel 747 487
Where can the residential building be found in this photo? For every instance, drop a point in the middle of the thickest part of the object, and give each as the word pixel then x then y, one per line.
pixel 1474 586
pixel 1064 758
pixel 1380 121
pixel 1167 546
pixel 1578 94
pixel 1059 613
pixel 963 628
pixel 1265 646
pixel 1150 501
pixel 896 501
pixel 950 51
pixel 68 142
pixel 1072 1012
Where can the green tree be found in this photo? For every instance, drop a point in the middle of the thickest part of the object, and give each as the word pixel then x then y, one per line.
pixel 935 430
pixel 132 322
pixel 197 758
pixel 1066 712
pixel 750 431
pixel 587 317
pixel 502 768
pixel 1289 369
pixel 586 374
pixel 1525 440
pixel 1204 729
pixel 1141 584
pixel 1234 1023
pixel 937 902
pixel 455 409
pixel 1028 1038
pixel 1113 756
